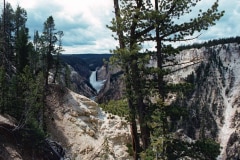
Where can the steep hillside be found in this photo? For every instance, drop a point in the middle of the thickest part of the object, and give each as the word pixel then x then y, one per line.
pixel 213 106
pixel 113 86
pixel 76 127
pixel 82 67
pixel 86 132
pixel 83 129
pixel 80 83
pixel 19 143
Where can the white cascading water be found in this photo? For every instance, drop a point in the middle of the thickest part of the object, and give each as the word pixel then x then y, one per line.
pixel 96 84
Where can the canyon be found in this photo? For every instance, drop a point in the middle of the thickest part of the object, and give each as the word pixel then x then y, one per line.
pixel 86 131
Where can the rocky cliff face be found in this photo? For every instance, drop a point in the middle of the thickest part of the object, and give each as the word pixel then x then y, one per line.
pixel 81 84
pixel 113 86
pixel 83 129
pixel 102 73
pixel 87 132
pixel 77 129
pixel 82 66
pixel 8 150
pixel 80 73
pixel 213 106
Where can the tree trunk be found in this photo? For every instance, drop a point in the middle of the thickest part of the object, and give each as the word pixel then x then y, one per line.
pixel 141 107
pixel 135 137
pixel 136 106
pixel 132 115
pixel 159 57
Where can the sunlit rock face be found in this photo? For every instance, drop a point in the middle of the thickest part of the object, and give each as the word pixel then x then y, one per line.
pixel 214 105
pixel 83 129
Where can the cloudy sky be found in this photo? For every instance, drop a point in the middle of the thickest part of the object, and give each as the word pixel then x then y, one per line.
pixel 84 22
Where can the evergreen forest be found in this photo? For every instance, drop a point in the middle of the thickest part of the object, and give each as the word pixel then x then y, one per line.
pixel 24 71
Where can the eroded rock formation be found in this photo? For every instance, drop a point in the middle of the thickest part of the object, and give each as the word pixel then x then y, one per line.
pixel 213 104
pixel 83 129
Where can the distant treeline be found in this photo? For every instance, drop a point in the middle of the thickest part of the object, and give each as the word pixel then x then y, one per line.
pixel 211 43
pixel 91 60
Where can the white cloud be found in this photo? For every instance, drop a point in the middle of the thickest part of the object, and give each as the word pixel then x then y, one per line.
pixel 228 25
pixel 84 21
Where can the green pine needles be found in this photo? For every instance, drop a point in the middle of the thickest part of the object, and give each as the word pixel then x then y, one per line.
pixel 158 22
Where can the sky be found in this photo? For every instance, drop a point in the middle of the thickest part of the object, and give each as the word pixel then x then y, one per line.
pixel 84 22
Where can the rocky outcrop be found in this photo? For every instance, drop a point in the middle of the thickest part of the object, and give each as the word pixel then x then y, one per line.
pixel 102 73
pixel 113 86
pixel 213 104
pixel 232 149
pixel 81 85
pixel 69 77
pixel 80 73
pixel 83 129
pixel 20 143
pixel 7 149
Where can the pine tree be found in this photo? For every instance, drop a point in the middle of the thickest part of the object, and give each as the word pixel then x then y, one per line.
pixel 3 89
pixel 22 90
pixel 48 40
pixel 21 38
pixel 134 24
pixel 46 44
pixel 7 28
pixel 22 49
pixel 33 97
pixel 58 53
pixel 34 57
pixel 67 77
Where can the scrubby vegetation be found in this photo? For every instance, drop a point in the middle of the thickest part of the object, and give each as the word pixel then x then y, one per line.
pixel 116 107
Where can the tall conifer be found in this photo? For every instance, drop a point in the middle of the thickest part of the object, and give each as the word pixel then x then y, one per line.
pixel 135 23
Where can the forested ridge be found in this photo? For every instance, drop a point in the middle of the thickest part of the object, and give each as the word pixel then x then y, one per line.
pixel 24 71
pixel 25 66
pixel 211 43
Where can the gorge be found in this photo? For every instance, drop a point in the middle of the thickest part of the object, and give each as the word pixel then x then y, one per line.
pixel 213 104
pixel 86 131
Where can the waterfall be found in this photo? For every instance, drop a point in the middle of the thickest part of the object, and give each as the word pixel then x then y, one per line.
pixel 96 84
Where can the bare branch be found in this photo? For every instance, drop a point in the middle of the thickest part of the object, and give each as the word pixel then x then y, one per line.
pixel 182 40
pixel 185 66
